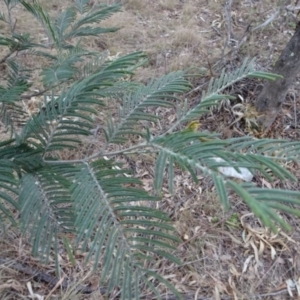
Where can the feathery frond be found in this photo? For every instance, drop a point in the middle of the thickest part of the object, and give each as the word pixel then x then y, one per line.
pixel 95 16
pixel 8 191
pixel 46 208
pixel 11 110
pixel 18 42
pixel 70 113
pixel 161 92
pixel 63 69
pixel 64 21
pixel 216 85
pixel 110 212
pixel 82 6
pixel 265 202
pixel 208 157
pixel 43 17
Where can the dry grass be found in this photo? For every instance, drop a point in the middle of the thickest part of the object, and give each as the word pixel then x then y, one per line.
pixel 225 255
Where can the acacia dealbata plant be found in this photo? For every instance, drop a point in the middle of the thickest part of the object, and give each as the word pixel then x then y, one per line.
pixel 93 196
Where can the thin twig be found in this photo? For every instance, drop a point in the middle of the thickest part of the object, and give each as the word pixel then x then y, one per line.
pixel 196 89
pixel 292 8
pixel 95 131
pixel 268 21
pixel 295 111
pixel 96 155
pixel 35 94
pixel 113 153
pixel 3 60
pixel 259 296
pixel 57 285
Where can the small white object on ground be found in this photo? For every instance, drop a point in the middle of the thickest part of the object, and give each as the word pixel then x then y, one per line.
pixel 244 174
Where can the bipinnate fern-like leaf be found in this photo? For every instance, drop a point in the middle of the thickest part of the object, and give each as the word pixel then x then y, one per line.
pixel 66 27
pixel 213 94
pixel 112 211
pixel 64 20
pixel 189 152
pixel 112 216
pixel 8 191
pixel 43 17
pixel 16 76
pixel 82 6
pixel 159 93
pixel 278 149
pixel 265 203
pixel 46 208
pixel 63 69
pixel 18 42
pixel 94 16
pixel 12 112
pixel 70 113
pixel 108 211
pixel 208 158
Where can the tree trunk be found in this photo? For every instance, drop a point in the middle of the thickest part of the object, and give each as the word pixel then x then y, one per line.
pixel 274 92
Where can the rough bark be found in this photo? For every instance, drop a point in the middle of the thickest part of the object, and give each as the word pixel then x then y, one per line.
pixel 273 94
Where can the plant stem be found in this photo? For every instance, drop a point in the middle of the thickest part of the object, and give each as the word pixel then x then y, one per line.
pixel 96 155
